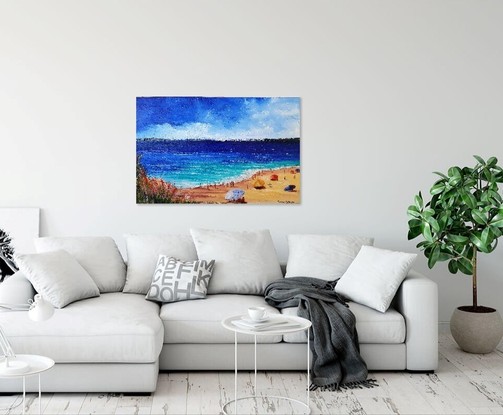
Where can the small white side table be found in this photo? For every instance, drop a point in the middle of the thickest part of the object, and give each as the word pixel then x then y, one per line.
pixel 38 364
pixel 303 324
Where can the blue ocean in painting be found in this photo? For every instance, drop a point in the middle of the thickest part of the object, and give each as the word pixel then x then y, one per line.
pixel 191 163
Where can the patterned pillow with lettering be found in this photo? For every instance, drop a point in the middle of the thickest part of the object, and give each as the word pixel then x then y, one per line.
pixel 176 280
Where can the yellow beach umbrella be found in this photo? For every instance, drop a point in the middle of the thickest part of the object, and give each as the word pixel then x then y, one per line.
pixel 259 184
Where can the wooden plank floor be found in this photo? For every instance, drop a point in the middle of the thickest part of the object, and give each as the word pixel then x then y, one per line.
pixel 463 384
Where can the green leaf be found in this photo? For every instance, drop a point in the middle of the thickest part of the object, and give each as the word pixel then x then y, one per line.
pixel 465 266
pixel 434 201
pixel 434 255
pixel 485 197
pixel 469 251
pixel 428 213
pixel 496 196
pixel 479 217
pixel 413 212
pixel 497 231
pixel 442 222
pixel 488 176
pixel 418 200
pixel 487 237
pixel 476 239
pixel 492 161
pixel 453 266
pixel 454 172
pixel 437 188
pixel 413 223
pixel 455 175
pixel 433 223
pixel 498 217
pixel 422 244
pixel 444 256
pixel 415 228
pixel 442 175
pixel 480 160
pixel 427 233
pixel 413 233
pixel 458 239
pixel 469 199
pixel 493 245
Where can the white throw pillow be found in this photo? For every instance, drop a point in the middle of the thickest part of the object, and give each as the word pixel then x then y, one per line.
pixel 58 277
pixel 374 276
pixel 98 255
pixel 322 256
pixel 175 280
pixel 245 262
pixel 143 252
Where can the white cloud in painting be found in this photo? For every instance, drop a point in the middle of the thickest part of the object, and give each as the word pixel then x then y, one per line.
pixel 276 118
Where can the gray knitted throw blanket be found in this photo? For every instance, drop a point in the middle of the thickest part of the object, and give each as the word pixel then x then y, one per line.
pixel 333 338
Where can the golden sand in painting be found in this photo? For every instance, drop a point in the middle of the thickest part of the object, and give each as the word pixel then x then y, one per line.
pixel 268 191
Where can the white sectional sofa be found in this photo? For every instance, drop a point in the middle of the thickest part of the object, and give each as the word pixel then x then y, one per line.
pixel 118 342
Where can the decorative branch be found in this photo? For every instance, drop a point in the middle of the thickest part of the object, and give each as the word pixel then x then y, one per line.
pixel 6 255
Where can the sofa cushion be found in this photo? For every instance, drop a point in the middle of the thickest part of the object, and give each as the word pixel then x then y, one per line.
pixel 112 328
pixel 374 276
pixel 245 262
pixel 58 277
pixel 143 252
pixel 372 326
pixel 98 255
pixel 322 256
pixel 201 321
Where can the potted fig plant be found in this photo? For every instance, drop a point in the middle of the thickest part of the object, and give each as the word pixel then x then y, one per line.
pixel 463 217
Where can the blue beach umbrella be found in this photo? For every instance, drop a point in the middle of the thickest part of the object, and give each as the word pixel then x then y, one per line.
pixel 290 188
pixel 234 195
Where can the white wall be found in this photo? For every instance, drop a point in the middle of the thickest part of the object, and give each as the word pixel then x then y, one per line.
pixel 391 91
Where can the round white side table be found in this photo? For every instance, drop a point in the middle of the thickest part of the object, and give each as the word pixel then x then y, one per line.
pixel 302 325
pixel 37 365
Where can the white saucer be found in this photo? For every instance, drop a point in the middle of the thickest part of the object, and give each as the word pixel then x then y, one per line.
pixel 262 320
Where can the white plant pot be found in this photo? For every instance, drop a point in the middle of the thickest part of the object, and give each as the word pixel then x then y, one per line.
pixel 477 332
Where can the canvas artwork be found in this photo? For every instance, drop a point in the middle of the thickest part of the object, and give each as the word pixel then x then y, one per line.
pixel 241 150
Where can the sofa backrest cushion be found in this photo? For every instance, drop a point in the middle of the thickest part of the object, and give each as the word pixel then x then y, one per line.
pixel 245 262
pixel 322 256
pixel 143 253
pixel 98 255
pixel 58 277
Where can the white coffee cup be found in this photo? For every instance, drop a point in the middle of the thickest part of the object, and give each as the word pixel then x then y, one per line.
pixel 257 313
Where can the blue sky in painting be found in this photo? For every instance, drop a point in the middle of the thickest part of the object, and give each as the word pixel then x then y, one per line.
pixel 178 118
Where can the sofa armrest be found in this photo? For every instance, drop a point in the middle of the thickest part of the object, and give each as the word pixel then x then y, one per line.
pixel 16 290
pixel 417 301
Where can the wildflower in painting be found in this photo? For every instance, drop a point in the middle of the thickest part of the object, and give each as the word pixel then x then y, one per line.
pixel 152 190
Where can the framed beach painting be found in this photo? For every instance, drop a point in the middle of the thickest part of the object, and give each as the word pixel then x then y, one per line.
pixel 239 150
